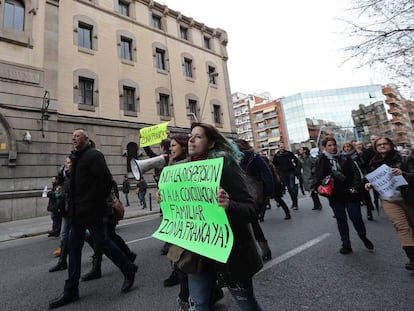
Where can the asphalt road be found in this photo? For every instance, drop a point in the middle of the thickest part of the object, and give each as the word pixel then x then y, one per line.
pixel 306 272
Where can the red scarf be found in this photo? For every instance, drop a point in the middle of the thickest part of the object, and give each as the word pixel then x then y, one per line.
pixel 204 156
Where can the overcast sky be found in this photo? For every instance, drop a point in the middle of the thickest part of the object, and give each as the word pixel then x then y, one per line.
pixel 281 47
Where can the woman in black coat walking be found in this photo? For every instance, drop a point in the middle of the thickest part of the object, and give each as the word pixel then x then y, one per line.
pixel 345 198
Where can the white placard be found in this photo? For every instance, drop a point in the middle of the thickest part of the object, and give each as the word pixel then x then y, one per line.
pixel 384 181
pixel 44 193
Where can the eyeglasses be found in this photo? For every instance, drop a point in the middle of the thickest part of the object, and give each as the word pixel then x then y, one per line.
pixel 382 144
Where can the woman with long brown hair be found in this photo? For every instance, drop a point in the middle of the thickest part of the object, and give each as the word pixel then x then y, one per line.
pixel 237 273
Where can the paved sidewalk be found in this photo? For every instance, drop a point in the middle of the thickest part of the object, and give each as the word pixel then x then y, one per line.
pixel 40 225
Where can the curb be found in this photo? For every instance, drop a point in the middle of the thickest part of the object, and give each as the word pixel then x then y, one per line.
pixel 32 231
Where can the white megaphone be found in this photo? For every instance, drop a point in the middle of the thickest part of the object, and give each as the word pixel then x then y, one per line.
pixel 139 167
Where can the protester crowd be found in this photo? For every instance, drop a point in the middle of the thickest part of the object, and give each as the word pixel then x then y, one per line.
pixel 81 203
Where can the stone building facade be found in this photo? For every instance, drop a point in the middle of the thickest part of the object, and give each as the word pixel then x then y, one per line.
pixel 110 66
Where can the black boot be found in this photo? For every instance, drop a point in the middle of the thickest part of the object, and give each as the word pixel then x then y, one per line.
pixel 409 250
pixel 63 300
pixel 369 214
pixel 129 279
pixel 62 263
pixel 295 203
pixel 95 273
pixel 172 279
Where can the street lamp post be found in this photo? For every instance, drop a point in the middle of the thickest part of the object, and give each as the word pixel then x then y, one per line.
pixel 319 135
pixel 211 76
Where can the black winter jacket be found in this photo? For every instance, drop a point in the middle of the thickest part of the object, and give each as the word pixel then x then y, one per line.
pixel 342 188
pixel 90 185
pixel 408 173
pixel 244 260
pixel 285 163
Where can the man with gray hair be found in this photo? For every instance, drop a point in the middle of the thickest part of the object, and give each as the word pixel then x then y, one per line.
pixel 90 185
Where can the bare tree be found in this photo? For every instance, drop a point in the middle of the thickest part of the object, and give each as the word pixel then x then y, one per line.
pixel 382 34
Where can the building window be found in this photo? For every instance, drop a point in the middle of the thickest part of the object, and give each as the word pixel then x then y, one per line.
pixel 86 91
pixel 207 43
pixel 164 105
pixel 13 15
pixel 212 74
pixel 123 8
pixel 193 109
pixel 217 114
pixel 188 67
pixel 156 21
pixel 160 59
pixel 129 99
pixel 16 22
pixel 184 33
pixel 126 48
pixel 85 35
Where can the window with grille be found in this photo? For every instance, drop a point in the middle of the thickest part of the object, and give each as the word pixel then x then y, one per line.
pixel 184 32
pixel 129 98
pixel 123 8
pixel 188 67
pixel 156 21
pixel 126 51
pixel 13 15
pixel 86 91
pixel 85 35
pixel 207 42
pixel 212 75
pixel 217 113
pixel 164 105
pixel 192 108
pixel 160 59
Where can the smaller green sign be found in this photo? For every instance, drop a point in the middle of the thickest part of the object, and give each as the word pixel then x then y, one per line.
pixel 152 135
pixel 192 217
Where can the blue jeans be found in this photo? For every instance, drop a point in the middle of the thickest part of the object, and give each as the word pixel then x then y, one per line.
pixel 101 245
pixel 244 296
pixel 56 222
pixel 141 197
pixel 340 210
pixel 126 199
pixel 202 285
pixel 64 230
pixel 293 189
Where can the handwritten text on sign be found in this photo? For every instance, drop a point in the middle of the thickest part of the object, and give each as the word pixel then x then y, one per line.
pixel 383 181
pixel 152 135
pixel 192 218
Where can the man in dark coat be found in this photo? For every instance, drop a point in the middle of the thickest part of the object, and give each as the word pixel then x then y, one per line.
pixel 286 165
pixel 125 189
pixel 90 185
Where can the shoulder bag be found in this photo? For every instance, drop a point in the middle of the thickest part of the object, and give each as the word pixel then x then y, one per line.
pixel 327 186
pixel 117 207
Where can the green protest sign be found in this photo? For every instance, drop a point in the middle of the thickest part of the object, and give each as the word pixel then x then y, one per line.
pixel 192 218
pixel 152 135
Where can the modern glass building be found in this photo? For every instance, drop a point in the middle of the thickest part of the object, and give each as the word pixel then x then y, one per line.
pixel 327 107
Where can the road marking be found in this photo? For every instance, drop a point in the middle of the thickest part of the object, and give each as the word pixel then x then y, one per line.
pixel 293 252
pixel 136 220
pixel 139 240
